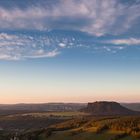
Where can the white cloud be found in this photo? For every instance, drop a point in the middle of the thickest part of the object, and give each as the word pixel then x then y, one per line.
pixel 8 37
pixel 20 46
pixel 53 53
pixel 129 41
pixel 17 47
pixel 7 57
pixel 62 45
pixel 43 54
pixel 92 16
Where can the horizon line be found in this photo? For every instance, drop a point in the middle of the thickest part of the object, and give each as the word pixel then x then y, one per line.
pixel 18 103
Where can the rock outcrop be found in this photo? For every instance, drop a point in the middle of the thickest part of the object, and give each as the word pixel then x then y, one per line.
pixel 104 108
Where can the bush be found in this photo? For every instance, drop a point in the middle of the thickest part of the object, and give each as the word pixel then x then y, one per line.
pixel 101 128
pixel 119 136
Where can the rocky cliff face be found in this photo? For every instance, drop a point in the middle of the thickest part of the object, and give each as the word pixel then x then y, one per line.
pixel 104 108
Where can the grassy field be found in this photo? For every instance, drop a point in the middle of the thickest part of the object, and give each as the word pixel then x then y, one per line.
pixel 113 128
pixel 84 136
pixel 50 114
pixel 57 114
pixel 37 120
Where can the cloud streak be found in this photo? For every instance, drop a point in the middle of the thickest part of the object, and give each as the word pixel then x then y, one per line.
pixel 129 41
pixel 94 17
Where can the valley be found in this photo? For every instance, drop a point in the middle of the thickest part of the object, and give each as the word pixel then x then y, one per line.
pixel 84 124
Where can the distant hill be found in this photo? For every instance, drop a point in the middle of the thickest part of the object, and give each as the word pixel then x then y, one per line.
pixel 132 106
pixel 43 107
pixel 104 108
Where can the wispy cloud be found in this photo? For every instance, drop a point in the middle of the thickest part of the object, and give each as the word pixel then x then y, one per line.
pixel 43 54
pixel 92 16
pixel 16 47
pixel 19 45
pixel 129 41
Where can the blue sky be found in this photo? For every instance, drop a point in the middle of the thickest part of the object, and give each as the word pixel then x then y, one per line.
pixel 69 51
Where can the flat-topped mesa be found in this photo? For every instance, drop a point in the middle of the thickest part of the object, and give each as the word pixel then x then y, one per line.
pixel 105 108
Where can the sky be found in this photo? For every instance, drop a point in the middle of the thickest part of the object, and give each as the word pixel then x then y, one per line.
pixel 69 51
